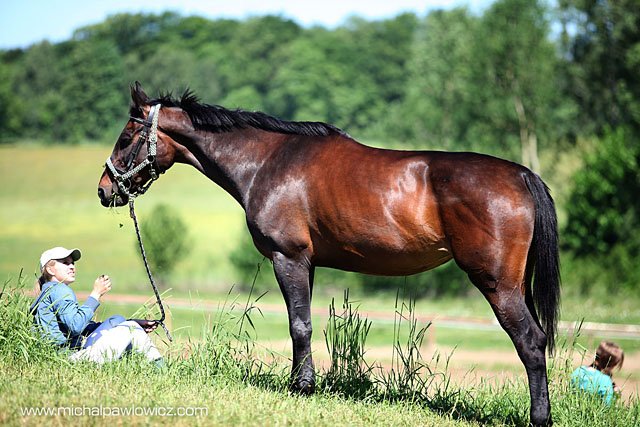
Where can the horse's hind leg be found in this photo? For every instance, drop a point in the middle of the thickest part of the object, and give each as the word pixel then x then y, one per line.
pixel 507 300
pixel 295 278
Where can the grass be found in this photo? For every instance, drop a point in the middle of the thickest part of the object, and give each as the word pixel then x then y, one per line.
pixel 218 370
pixel 226 403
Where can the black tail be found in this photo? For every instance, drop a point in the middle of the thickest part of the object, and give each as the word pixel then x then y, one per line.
pixel 544 249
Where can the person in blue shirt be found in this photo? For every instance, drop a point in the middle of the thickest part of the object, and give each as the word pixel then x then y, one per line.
pixel 597 378
pixel 62 321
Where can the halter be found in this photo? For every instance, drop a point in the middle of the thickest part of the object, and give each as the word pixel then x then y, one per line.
pixel 148 134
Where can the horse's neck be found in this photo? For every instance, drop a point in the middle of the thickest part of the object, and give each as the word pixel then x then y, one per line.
pixel 232 159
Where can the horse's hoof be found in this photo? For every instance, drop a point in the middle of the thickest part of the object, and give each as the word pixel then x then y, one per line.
pixel 547 423
pixel 304 387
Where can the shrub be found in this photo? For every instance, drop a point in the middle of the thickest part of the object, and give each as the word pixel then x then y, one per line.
pixel 250 264
pixel 166 240
pixel 604 208
pixel 604 215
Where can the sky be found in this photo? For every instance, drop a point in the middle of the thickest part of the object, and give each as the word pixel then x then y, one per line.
pixel 25 22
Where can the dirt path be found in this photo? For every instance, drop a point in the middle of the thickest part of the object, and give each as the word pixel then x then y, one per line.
pixel 614 331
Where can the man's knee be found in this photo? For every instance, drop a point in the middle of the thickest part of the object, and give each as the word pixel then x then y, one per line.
pixel 131 325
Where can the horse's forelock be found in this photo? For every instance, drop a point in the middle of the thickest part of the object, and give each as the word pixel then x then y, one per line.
pixel 135 110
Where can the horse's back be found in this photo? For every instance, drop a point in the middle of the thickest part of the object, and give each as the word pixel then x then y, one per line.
pixel 380 211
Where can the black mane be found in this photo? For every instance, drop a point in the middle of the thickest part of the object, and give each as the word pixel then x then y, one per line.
pixel 218 119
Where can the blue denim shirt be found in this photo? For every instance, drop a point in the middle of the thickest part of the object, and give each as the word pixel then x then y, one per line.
pixel 58 316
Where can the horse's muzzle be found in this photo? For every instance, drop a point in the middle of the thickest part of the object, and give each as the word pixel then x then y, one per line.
pixel 111 198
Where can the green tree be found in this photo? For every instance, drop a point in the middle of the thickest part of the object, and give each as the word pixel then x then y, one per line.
pixel 443 85
pixel 374 56
pixel 198 34
pixel 11 106
pixel 255 52
pixel 485 84
pixel 308 82
pixel 246 98
pixel 522 62
pixel 38 108
pixel 173 69
pixel 603 225
pixel 140 33
pixel 381 49
pixel 345 76
pixel 601 44
pixel 604 208
pixel 96 92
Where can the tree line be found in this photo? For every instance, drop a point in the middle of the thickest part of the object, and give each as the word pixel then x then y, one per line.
pixel 522 80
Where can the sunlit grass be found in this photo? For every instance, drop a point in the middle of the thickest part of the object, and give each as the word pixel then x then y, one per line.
pixel 218 368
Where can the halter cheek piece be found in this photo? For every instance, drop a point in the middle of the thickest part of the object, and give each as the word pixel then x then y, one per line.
pixel 148 134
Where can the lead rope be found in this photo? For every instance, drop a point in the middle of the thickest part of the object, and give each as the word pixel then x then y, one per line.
pixel 146 266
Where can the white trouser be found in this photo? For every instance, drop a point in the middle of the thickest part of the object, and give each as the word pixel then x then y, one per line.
pixel 114 342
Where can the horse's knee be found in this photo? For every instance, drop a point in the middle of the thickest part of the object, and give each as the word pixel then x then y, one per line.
pixel 535 343
pixel 300 330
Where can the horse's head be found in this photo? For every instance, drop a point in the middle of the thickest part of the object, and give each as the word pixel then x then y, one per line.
pixel 142 152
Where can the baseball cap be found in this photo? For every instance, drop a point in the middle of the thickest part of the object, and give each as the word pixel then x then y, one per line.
pixel 58 253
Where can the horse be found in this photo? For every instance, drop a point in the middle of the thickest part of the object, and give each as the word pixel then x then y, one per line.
pixel 315 197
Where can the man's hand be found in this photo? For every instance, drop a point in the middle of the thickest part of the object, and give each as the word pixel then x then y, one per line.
pixel 148 325
pixel 101 286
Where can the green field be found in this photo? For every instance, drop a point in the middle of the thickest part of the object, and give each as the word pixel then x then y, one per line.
pixel 49 198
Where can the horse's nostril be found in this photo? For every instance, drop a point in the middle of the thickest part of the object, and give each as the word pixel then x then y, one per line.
pixel 102 194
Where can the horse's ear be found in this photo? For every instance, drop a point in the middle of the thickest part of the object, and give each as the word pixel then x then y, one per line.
pixel 139 98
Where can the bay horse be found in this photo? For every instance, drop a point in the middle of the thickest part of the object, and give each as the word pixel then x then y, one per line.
pixel 315 197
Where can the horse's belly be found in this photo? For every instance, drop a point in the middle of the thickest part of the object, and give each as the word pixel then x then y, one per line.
pixel 390 262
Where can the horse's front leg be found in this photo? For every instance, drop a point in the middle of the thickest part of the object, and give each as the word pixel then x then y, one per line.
pixel 295 278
